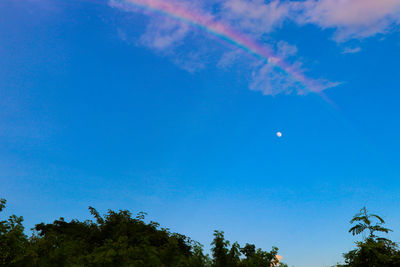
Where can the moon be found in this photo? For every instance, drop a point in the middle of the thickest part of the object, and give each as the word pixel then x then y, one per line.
pixel 279 134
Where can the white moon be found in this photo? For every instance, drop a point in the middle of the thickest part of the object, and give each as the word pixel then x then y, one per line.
pixel 279 134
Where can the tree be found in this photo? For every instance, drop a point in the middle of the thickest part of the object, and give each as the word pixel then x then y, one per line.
pixel 255 258
pixel 234 255
pixel 115 239
pixel 223 256
pixel 373 251
pixel 199 259
pixel 248 250
pixel 13 241
pixel 364 222
pixel 219 249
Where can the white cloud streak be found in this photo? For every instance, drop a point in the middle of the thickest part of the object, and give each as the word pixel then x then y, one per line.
pixel 351 50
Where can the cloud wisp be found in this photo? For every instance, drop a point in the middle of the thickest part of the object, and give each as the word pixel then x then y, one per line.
pixel 272 75
pixel 274 69
pixel 351 18
pixel 351 50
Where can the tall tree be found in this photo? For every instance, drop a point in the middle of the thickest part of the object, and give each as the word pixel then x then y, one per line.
pixel 373 250
pixel 234 255
pixel 364 221
pixel 219 249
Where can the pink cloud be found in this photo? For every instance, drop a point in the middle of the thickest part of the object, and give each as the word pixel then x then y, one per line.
pixel 256 16
pixel 351 18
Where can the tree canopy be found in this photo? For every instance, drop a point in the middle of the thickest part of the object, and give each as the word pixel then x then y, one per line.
pixel 118 239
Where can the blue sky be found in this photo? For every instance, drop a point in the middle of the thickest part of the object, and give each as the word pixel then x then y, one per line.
pixel 124 108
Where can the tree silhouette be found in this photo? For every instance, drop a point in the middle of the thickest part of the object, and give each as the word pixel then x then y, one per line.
pixel 364 222
pixel 373 251
pixel 118 239
pixel 220 249
pixel 13 241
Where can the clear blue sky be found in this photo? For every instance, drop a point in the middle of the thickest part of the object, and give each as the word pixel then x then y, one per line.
pixel 117 107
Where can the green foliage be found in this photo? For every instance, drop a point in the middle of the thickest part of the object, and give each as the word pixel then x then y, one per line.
pixel 364 222
pixel 234 255
pixel 223 256
pixel 373 251
pixel 13 241
pixel 117 239
pixel 219 249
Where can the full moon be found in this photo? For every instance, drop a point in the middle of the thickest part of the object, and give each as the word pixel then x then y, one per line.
pixel 279 134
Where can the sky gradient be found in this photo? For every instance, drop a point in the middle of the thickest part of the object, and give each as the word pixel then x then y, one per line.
pixel 112 105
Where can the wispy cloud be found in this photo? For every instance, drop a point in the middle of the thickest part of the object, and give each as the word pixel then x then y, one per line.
pixel 351 18
pixel 286 50
pixel 257 16
pixel 266 80
pixel 229 58
pixel 164 32
pixel 351 50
